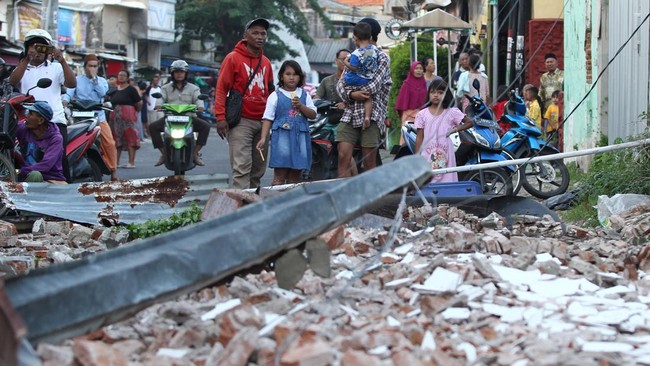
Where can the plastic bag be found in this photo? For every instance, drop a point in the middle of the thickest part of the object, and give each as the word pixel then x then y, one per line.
pixel 617 204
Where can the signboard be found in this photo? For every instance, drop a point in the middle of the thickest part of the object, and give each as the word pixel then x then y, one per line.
pixel 393 29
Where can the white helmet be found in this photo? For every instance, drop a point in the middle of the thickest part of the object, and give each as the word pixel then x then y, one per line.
pixel 179 65
pixel 38 33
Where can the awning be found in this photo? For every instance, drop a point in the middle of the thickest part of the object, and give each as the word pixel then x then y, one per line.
pixel 437 19
pixel 95 5
pixel 109 56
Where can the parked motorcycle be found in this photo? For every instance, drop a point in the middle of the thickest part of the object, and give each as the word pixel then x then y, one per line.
pixel 12 107
pixel 476 145
pixel 325 155
pixel 543 179
pixel 178 138
pixel 82 147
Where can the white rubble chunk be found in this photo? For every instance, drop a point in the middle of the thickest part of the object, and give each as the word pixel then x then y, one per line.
pixel 578 310
pixel 472 292
pixel 428 342
pixel 381 351
pixel 470 351
pixel 442 280
pixel 606 347
pixel 345 275
pixel 614 316
pixel 351 312
pixel 408 258
pixel 614 290
pixel 543 257
pixel 220 308
pixel 414 313
pixel 397 283
pixel 172 352
pixel 392 322
pixel 517 276
pixel 272 320
pixel 456 314
pixel 403 249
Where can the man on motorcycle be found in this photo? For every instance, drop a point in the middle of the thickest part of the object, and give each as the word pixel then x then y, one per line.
pixel 35 65
pixel 179 91
pixel 93 87
pixel 41 146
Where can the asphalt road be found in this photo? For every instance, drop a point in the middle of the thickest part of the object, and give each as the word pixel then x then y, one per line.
pixel 215 156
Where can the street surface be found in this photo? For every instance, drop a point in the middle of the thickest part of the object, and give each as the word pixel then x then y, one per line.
pixel 215 156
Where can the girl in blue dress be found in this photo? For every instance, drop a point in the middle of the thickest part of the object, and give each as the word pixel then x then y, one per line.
pixel 286 114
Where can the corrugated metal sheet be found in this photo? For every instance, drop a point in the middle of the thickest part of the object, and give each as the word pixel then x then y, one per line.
pixel 629 79
pixel 108 203
pixel 323 51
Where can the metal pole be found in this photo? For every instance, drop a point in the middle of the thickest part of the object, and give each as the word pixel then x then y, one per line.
pixel 435 50
pixel 449 73
pixel 495 50
pixel 558 156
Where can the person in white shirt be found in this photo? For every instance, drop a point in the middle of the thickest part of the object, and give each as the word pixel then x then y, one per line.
pixel 35 65
pixel 152 114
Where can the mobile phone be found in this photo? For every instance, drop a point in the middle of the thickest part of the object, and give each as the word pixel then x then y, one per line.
pixel 43 48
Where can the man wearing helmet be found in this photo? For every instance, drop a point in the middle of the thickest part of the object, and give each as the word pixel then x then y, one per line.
pixel 179 91
pixel 35 65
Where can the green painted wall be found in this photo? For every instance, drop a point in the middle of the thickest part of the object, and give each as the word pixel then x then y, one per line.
pixel 582 129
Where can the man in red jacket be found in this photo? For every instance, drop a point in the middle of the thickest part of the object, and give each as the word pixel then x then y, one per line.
pixel 248 165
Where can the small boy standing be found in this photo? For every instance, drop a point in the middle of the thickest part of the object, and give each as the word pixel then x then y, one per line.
pixel 552 119
pixel 533 109
pixel 362 64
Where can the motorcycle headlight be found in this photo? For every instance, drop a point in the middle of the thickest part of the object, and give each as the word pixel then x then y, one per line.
pixel 178 134
pixel 480 139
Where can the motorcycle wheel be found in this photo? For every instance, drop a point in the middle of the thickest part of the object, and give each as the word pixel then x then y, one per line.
pixel 555 180
pixel 177 162
pixel 516 176
pixel 496 181
pixel 7 174
pixel 96 171
pixel 319 165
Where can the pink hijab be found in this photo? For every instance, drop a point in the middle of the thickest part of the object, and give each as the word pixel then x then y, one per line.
pixel 413 93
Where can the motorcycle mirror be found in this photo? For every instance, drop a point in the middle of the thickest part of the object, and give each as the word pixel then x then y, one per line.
pixel 44 83
pixel 156 95
pixel 201 96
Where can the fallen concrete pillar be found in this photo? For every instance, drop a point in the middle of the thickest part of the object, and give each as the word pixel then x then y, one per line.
pixel 73 298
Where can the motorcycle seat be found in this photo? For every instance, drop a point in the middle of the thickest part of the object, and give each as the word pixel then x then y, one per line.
pixel 78 129
pixel 85 105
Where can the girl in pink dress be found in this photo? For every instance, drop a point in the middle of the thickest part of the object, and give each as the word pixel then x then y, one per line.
pixel 434 125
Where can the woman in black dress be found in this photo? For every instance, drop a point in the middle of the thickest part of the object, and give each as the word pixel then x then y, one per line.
pixel 124 119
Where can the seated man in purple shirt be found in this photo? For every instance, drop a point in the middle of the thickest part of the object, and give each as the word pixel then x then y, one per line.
pixel 41 146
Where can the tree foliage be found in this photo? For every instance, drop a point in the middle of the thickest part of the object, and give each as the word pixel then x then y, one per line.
pixel 200 19
pixel 400 64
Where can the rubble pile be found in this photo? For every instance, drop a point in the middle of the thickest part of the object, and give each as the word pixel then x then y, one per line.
pixel 448 289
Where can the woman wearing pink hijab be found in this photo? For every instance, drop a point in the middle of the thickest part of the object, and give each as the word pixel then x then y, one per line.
pixel 412 95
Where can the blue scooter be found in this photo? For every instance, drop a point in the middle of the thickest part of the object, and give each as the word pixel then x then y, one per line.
pixel 475 145
pixel 543 179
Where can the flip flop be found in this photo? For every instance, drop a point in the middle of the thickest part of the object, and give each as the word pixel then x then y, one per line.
pixel 127 166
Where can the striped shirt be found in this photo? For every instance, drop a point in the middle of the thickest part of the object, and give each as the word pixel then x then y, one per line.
pixel 378 87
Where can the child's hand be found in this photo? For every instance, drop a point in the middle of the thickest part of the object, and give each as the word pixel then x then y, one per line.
pixel 296 102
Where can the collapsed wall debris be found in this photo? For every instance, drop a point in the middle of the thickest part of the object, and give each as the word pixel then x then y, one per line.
pixel 130 278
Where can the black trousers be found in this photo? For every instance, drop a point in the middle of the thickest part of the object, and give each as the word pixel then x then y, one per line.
pixel 64 161
pixel 199 125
